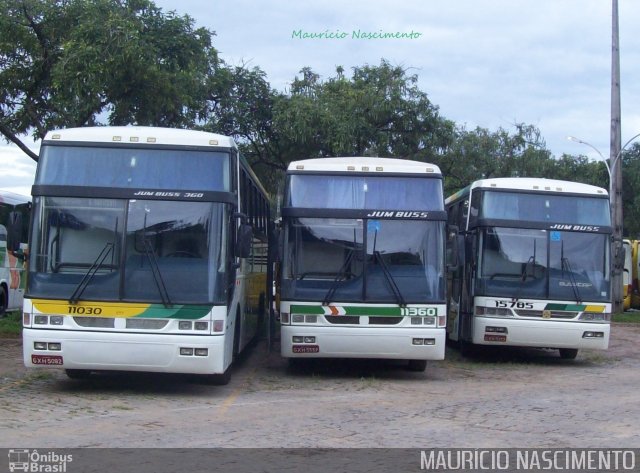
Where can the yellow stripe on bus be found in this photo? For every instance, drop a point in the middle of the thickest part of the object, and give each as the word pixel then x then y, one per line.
pixel 594 308
pixel 91 309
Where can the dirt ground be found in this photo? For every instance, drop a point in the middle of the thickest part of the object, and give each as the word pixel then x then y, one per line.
pixel 497 398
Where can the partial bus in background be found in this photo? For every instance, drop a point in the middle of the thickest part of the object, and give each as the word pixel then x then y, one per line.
pixel 149 253
pixel 363 269
pixel 14 234
pixel 536 265
pixel 627 274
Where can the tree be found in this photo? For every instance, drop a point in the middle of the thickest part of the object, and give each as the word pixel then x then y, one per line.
pixel 66 63
pixel 378 111
pixel 483 154
pixel 631 191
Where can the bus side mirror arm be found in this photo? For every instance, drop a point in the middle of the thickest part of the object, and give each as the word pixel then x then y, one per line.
pixel 243 245
pixel 454 247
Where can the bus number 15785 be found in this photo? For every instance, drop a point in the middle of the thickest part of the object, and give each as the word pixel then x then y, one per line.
pixel 514 304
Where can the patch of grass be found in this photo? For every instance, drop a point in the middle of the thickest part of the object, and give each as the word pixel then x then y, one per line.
pixel 11 325
pixel 627 317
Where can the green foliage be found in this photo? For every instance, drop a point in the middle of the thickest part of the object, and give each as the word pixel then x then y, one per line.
pixel 378 111
pixel 63 63
pixel 481 154
pixel 11 324
pixel 627 317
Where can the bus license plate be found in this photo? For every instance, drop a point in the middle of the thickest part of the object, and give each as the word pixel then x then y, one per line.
pixel 306 348
pixel 46 359
pixel 495 338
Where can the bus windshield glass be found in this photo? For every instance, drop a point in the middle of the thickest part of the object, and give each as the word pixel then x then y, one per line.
pixel 364 192
pixel 541 207
pixel 139 168
pixel 528 263
pixel 148 251
pixel 363 260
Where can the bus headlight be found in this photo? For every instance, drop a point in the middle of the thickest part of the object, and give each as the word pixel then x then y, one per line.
pixel 480 310
pixel 595 317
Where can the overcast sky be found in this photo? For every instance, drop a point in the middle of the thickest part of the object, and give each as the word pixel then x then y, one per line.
pixel 487 63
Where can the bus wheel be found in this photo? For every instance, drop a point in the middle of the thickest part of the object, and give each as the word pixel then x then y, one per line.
pixel 568 353
pixel 3 301
pixel 78 374
pixel 417 365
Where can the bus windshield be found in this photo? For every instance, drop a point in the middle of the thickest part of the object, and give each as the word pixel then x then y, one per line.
pixel 363 260
pixel 129 167
pixel 148 251
pixel 364 192
pixel 528 263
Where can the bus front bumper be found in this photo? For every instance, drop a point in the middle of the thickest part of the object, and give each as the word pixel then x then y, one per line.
pixel 540 333
pixel 123 351
pixel 359 342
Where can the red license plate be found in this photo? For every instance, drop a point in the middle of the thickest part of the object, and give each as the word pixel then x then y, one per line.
pixel 46 359
pixel 495 338
pixel 306 349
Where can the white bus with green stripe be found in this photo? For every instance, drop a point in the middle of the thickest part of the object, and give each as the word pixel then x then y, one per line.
pixel 362 272
pixel 148 253
pixel 535 265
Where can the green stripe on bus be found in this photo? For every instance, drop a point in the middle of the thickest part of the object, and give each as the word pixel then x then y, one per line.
pixel 185 312
pixel 348 310
pixel 566 307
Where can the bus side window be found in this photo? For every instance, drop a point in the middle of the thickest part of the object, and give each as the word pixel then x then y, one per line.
pixel 14 232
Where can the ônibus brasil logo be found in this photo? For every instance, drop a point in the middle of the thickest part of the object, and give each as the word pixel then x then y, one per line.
pixel 22 459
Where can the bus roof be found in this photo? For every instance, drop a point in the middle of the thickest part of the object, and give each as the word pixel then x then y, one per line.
pixel 140 135
pixel 7 197
pixel 536 184
pixel 364 164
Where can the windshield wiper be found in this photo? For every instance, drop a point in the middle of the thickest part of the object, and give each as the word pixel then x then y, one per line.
pixel 340 276
pixel 342 272
pixel 525 272
pixel 564 263
pixel 392 282
pixel 157 275
pixel 387 274
pixel 91 272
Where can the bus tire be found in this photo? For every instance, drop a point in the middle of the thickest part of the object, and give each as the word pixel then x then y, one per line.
pixel 78 374
pixel 568 353
pixel 3 300
pixel 236 335
pixel 417 365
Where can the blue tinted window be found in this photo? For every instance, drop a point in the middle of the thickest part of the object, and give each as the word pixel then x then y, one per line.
pixel 138 168
pixel 365 192
pixel 568 209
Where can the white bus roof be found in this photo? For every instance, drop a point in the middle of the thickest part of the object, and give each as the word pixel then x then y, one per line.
pixel 141 135
pixel 364 164
pixel 7 197
pixel 538 184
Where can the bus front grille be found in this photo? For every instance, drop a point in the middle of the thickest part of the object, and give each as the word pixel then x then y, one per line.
pixel 555 314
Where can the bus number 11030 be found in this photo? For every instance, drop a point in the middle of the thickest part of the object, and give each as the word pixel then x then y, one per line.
pixel 80 310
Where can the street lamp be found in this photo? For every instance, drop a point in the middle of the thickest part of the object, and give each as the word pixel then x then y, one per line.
pixel 604 160
pixel 615 196
pixel 614 160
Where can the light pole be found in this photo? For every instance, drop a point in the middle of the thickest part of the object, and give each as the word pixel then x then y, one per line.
pixel 615 198
pixel 614 161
